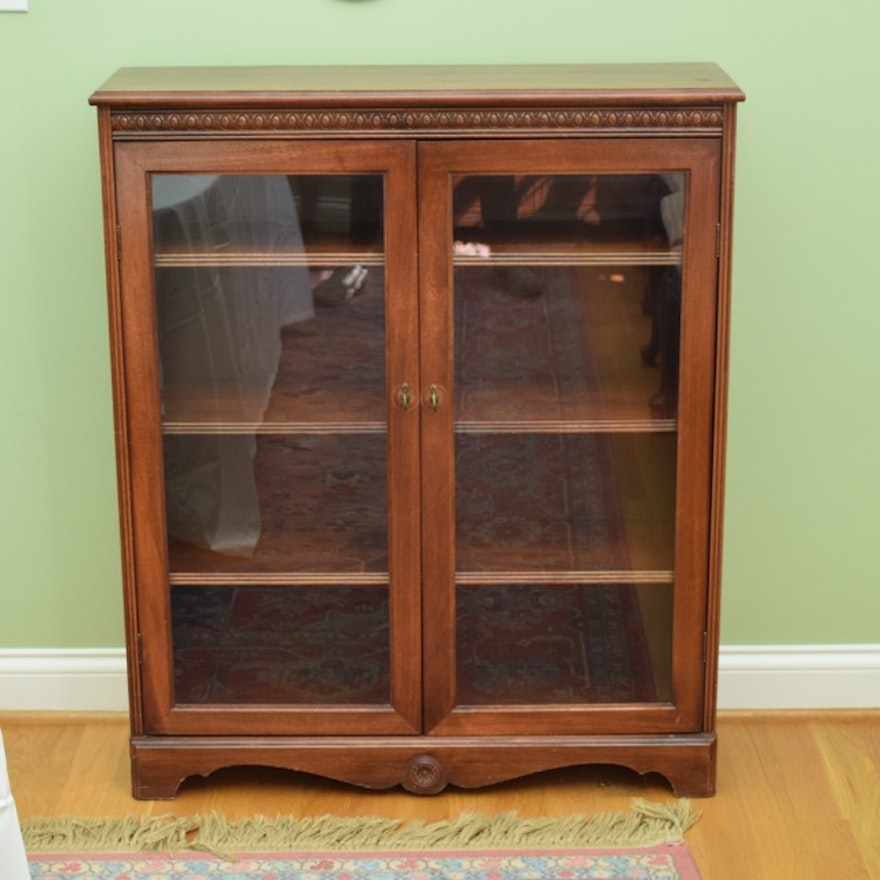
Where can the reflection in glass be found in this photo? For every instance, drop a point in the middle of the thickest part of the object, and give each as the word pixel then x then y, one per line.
pixel 270 307
pixel 563 643
pixel 601 502
pixel 567 295
pixel 277 645
pixel 319 502
pixel 568 205
pixel 268 322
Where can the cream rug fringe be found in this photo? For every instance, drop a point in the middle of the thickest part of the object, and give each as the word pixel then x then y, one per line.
pixel 648 823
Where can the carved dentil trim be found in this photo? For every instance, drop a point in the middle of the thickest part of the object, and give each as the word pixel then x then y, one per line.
pixel 272 122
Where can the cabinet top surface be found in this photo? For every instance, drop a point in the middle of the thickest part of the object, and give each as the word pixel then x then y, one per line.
pixel 686 83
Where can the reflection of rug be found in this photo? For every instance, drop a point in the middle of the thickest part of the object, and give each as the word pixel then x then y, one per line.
pixel 542 500
pixel 525 502
pixel 565 643
pixel 645 844
pixel 533 501
pixel 281 645
pixel 516 644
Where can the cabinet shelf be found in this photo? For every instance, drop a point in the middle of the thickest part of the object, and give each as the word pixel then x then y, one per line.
pixel 464 579
pixel 575 252
pixel 568 426
pixel 324 255
pixel 362 412
pixel 525 253
pixel 269 428
pixel 616 576
pixel 276 578
pixel 532 426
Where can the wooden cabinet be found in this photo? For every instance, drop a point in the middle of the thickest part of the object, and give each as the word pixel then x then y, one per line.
pixel 419 379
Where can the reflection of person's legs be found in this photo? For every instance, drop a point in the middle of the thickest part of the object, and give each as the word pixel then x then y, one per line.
pixel 498 207
pixel 497 199
pixel 498 204
pixel 667 317
pixel 366 208
pixel 333 286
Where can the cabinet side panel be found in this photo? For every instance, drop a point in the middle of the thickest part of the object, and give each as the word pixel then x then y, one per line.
pixel 722 348
pixel 120 410
pixel 140 388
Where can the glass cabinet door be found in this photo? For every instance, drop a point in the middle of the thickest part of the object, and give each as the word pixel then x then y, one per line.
pixel 572 274
pixel 274 294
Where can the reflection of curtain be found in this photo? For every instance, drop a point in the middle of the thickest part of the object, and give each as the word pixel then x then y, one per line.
pixel 219 339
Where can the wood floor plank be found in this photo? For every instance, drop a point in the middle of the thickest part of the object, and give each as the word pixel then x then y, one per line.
pixel 798 794
pixel 774 814
pixel 851 753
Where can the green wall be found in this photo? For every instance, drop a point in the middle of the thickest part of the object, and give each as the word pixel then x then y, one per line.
pixel 803 513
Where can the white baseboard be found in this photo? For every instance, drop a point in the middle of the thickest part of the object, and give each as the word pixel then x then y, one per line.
pixel 68 679
pixel 749 677
pixel 799 677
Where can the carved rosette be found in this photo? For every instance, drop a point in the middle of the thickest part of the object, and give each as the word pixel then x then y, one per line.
pixel 424 774
pixel 281 122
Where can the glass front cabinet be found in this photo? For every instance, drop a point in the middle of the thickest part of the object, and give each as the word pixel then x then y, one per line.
pixel 419 379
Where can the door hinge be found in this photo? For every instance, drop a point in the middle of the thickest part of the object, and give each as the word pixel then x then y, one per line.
pixel 119 244
pixel 717 241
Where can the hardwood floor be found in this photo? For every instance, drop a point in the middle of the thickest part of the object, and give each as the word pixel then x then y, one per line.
pixel 798 794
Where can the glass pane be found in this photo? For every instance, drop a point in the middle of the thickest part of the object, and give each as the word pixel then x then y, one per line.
pixel 564 502
pixel 271 316
pixel 270 300
pixel 574 319
pixel 610 205
pixel 275 503
pixel 276 645
pixel 567 310
pixel 563 643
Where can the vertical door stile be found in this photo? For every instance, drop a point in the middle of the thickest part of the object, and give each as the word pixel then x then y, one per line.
pixel 700 300
pixel 402 358
pixel 437 462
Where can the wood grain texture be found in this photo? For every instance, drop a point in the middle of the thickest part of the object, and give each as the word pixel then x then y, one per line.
pixel 798 794
pixel 399 84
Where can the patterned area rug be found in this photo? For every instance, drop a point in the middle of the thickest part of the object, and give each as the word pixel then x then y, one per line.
pixel 644 844
pixel 664 862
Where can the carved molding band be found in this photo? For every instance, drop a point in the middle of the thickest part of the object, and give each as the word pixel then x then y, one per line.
pixel 226 123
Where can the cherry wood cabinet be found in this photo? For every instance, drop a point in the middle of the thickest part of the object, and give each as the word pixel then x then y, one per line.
pixel 419 379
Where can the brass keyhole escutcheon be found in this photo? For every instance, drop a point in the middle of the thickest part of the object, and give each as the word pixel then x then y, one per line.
pixel 405 396
pixel 434 396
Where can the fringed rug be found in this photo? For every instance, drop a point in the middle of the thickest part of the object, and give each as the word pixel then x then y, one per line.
pixel 643 845
pixel 662 862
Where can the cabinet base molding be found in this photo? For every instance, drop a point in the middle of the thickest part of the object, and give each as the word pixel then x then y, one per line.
pixel 422 765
